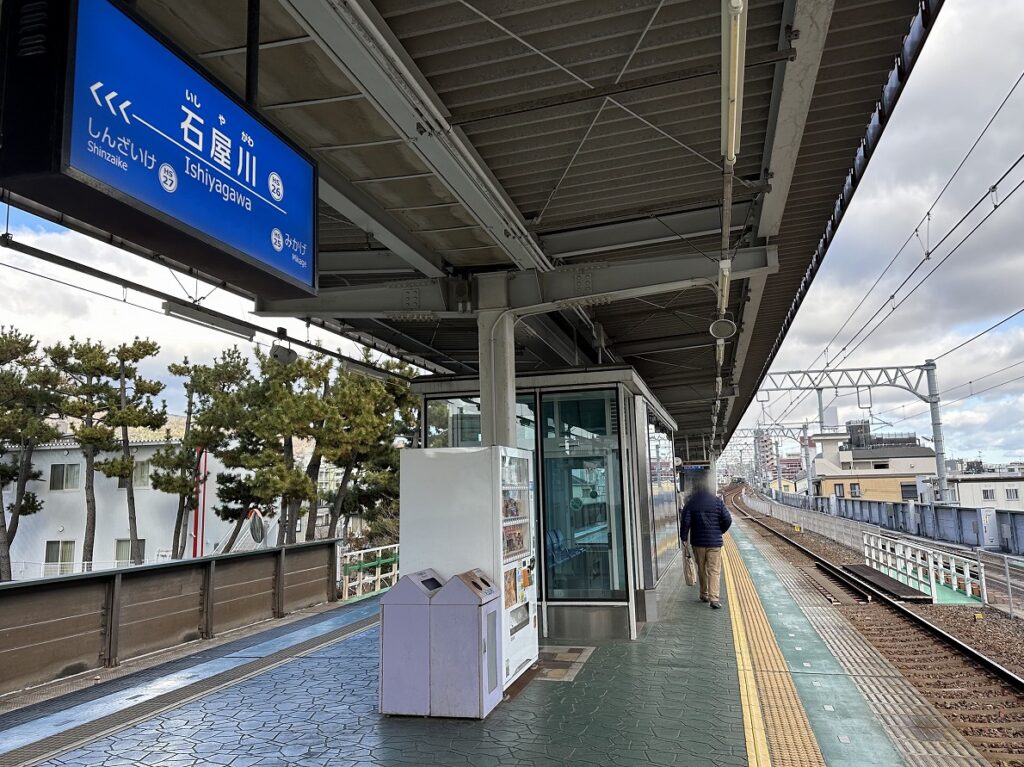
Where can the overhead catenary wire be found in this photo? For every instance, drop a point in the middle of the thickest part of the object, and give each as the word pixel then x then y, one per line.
pixel 353 364
pixel 996 206
pixel 961 399
pixel 925 218
pixel 954 387
pixel 986 331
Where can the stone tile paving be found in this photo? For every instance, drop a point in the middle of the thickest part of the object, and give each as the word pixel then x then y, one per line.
pixel 671 698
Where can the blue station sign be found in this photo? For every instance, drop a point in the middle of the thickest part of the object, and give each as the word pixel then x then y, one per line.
pixel 144 127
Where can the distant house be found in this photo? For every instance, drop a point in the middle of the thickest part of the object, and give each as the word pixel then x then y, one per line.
pixel 876 467
pixel 50 542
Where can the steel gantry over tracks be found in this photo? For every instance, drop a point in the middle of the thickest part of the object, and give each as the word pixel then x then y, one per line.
pixel 919 380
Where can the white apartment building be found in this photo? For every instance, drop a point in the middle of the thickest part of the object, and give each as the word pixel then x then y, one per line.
pixel 998 490
pixel 50 541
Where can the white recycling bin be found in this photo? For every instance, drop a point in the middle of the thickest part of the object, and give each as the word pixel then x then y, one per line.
pixel 465 647
pixel 405 644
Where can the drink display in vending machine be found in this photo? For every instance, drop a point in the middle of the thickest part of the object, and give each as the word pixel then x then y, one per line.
pixel 518 565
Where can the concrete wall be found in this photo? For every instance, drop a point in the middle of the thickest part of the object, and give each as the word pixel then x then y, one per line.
pixel 63 514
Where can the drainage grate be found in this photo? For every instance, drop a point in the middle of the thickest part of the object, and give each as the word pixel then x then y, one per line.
pixel 75 737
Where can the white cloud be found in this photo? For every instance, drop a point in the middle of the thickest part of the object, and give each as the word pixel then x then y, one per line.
pixel 53 304
pixel 970 62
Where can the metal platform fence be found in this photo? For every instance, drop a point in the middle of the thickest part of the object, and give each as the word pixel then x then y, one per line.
pixel 1003 573
pixel 367 572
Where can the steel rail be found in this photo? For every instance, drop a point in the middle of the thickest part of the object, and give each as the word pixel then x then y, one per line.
pixel 990 665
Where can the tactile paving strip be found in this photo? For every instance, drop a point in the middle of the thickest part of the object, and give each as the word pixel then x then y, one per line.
pixel 920 734
pixel 73 737
pixel 791 742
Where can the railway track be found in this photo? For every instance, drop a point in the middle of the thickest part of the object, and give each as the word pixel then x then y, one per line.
pixel 981 698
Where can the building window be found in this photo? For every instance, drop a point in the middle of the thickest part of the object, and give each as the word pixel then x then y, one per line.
pixel 845 465
pixel 64 476
pixel 60 558
pixel 855 489
pixel 1012 494
pixel 839 491
pixel 880 465
pixel 123 551
pixel 988 494
pixel 140 476
pixel 908 491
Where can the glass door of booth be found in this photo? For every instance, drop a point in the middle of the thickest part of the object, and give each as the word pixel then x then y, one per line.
pixel 584 554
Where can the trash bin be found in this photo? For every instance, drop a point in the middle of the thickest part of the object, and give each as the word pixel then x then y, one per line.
pixel 465 647
pixel 405 644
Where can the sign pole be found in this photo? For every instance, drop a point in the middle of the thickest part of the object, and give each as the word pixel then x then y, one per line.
pixel 252 53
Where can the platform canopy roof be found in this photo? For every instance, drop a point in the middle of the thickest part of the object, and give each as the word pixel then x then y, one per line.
pixel 580 145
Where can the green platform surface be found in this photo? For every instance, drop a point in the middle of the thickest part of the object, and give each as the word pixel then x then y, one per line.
pixel 847 732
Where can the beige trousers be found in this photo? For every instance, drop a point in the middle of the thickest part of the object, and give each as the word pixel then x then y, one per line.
pixel 709 570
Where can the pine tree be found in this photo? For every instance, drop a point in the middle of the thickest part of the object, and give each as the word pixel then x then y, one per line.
pixel 132 407
pixel 28 402
pixel 215 424
pixel 176 467
pixel 372 415
pixel 88 371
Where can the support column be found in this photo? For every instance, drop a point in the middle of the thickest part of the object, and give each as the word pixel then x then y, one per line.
pixel 497 350
pixel 808 462
pixel 778 462
pixel 940 448
pixel 821 413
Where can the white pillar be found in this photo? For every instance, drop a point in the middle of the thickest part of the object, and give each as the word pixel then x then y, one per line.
pixel 496 344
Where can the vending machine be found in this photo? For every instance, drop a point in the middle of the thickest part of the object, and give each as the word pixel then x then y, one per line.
pixel 466 508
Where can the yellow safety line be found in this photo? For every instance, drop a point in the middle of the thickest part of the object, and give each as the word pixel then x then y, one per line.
pixel 753 722
pixel 779 728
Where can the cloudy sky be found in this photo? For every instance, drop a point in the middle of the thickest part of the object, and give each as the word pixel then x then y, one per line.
pixel 53 303
pixel 971 61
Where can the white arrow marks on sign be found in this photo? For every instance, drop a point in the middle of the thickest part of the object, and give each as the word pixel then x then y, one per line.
pixel 121 108
pixel 110 96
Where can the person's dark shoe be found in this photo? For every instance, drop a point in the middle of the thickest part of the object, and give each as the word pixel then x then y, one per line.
pixel 704 599
pixel 716 605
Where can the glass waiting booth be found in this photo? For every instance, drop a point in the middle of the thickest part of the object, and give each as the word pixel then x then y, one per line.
pixel 606 516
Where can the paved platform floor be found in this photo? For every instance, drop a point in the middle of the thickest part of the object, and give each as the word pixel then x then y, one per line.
pixel 683 694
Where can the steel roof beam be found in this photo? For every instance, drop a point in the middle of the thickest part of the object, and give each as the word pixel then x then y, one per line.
pixel 365 261
pixel 652 230
pixel 529 292
pixel 367 214
pixel 604 282
pixel 665 344
pixel 361 44
pixel 794 89
pixel 562 349
pixel 406 300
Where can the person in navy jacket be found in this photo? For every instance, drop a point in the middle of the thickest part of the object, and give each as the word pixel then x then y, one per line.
pixel 703 520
